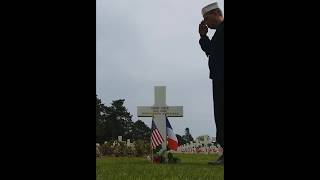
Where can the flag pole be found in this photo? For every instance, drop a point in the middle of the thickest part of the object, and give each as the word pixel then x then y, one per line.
pixel 151 142
pixel 165 114
pixel 151 153
pixel 166 138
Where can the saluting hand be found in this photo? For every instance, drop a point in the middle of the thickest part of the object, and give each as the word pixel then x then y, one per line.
pixel 203 29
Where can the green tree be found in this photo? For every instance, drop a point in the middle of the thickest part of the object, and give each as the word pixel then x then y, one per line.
pixel 100 121
pixel 141 131
pixel 119 120
pixel 187 137
pixel 181 141
pixel 115 120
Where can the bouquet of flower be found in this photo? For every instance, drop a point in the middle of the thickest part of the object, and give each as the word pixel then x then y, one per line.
pixel 159 156
pixel 163 156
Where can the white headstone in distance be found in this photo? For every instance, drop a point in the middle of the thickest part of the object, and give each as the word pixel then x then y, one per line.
pixel 197 143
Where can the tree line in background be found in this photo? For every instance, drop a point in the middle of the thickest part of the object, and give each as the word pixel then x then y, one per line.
pixel 115 120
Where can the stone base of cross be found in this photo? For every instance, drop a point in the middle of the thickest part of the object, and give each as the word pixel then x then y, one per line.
pixel 159 111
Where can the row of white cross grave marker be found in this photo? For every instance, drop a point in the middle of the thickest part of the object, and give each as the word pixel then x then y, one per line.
pixel 200 146
pixel 127 143
pixel 115 143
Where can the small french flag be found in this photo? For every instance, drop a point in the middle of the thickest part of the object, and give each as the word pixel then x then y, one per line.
pixel 171 137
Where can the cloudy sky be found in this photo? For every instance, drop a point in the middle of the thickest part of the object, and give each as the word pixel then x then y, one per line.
pixel 147 43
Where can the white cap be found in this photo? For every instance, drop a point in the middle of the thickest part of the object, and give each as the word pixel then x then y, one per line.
pixel 209 8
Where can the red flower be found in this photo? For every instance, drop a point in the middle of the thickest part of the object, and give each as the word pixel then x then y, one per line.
pixel 157 159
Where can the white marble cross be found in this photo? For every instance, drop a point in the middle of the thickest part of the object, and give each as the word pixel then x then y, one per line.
pixel 159 111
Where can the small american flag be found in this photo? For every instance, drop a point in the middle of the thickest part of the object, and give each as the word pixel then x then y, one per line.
pixel 156 138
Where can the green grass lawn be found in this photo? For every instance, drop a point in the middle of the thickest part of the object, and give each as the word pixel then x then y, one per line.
pixel 191 167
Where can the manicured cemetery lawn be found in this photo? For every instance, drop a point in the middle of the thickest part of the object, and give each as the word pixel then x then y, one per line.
pixel 191 167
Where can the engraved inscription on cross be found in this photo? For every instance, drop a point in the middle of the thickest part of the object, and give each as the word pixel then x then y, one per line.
pixel 159 111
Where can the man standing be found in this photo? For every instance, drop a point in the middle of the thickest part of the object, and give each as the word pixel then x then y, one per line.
pixel 214 49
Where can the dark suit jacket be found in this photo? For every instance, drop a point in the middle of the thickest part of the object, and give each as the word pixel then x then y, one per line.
pixel 214 49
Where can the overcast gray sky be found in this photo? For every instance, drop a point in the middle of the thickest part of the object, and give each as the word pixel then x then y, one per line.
pixel 147 43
